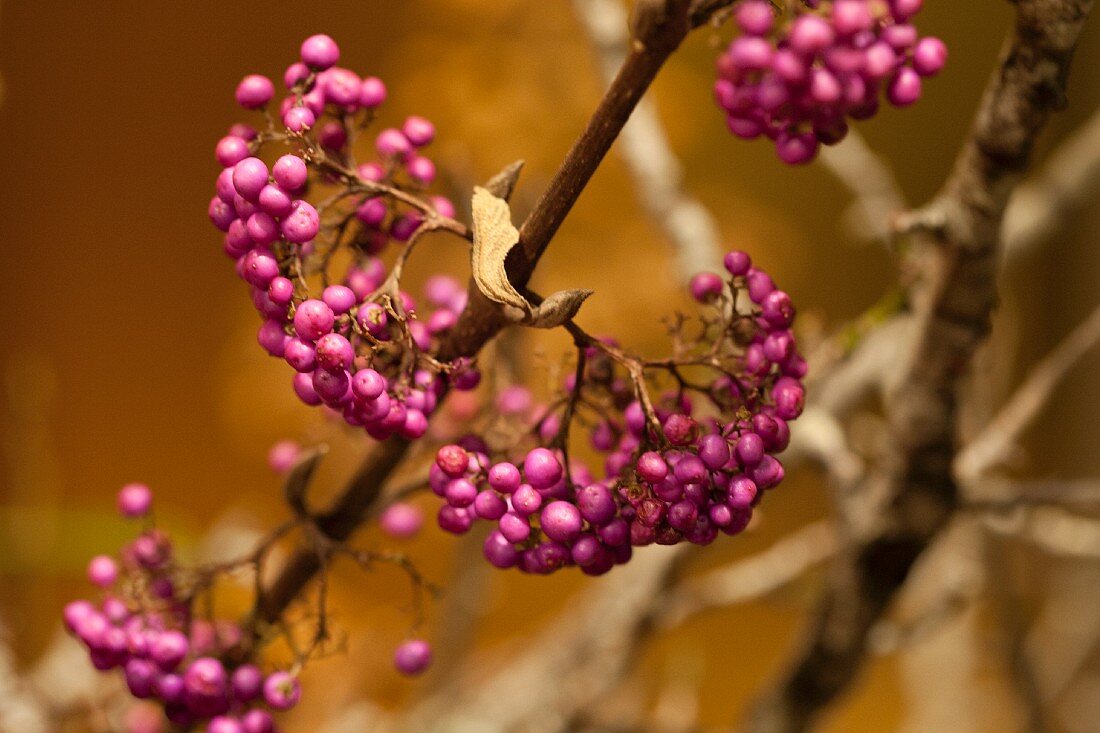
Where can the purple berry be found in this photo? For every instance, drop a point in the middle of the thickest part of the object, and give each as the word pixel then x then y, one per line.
pixel 249 178
pixel 372 92
pixel 542 468
pixel 412 657
pixel 254 91
pixel 134 500
pixel 290 173
pixel 401 520
pixel 561 521
pixel 320 52
pixel 929 56
pixel 282 690
pixel 103 571
pixel 299 119
pixel 231 150
pixel 313 319
pixel 302 224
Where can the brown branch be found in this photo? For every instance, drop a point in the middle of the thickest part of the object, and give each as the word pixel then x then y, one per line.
pixel 660 26
pixel 644 147
pixel 913 496
pixel 337 524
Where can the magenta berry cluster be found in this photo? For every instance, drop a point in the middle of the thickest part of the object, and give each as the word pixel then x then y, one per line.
pixel 799 82
pixel 687 467
pixel 144 625
pixel 357 344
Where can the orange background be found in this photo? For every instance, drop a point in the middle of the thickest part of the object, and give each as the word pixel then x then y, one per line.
pixel 128 346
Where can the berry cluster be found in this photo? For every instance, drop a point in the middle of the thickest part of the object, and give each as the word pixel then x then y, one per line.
pixel 798 83
pixel 144 626
pixel 689 467
pixel 357 345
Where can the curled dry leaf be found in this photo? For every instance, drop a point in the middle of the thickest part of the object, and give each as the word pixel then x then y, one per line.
pixel 494 237
pixel 504 183
pixel 558 308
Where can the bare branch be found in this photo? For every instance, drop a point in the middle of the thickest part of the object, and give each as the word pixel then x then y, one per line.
pixel 1004 495
pixel 752 577
pixel 1050 528
pixel 877 195
pixel 1013 633
pixel 658 175
pixel 21 709
pixel 995 444
pixel 914 495
pixel 567 667
pixel 1068 181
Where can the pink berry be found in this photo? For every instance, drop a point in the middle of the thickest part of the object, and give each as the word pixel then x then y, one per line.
pixel 413 657
pixel 302 224
pixel 231 150
pixel 283 455
pixel 254 91
pixel 299 119
pixel 419 131
pixel 320 52
pixel 103 571
pixel 401 520
pixel 134 500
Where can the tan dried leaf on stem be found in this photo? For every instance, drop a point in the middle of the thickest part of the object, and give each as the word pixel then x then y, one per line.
pixel 494 237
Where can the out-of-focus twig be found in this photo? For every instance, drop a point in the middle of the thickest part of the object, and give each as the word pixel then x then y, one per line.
pixel 877 197
pixel 566 667
pixel 1068 181
pixel 21 708
pixel 1013 633
pixel 1001 496
pixel 1052 529
pixel 753 577
pixel 997 440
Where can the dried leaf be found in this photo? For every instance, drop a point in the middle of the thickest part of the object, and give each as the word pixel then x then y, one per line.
pixel 558 308
pixel 494 237
pixel 504 183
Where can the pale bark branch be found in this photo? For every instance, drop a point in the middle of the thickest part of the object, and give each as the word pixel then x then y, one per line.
pixel 997 441
pixel 877 197
pixel 1003 495
pixel 568 666
pixel 1051 529
pixel 1068 181
pixel 753 577
pixel 913 495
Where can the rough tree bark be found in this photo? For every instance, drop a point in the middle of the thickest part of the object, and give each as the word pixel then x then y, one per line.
pixel 903 506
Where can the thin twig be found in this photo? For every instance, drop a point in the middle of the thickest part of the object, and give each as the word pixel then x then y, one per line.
pixel 877 197
pixel 1067 182
pixel 753 577
pixel 995 444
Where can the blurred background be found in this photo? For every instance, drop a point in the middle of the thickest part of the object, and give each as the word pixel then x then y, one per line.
pixel 129 351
